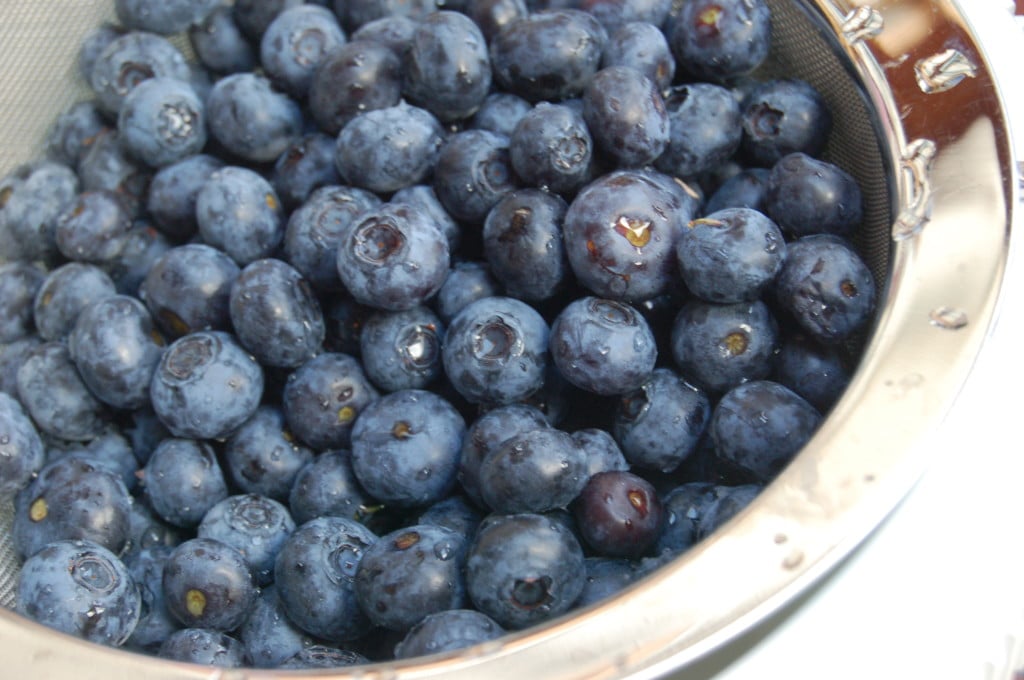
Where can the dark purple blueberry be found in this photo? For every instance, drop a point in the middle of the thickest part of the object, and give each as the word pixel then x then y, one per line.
pixel 106 166
pixel 268 636
pixel 188 289
pixel 405 447
pixel 239 212
pixel 389 149
pixel 254 525
pixel 32 202
pixel 315 228
pixel 402 350
pixel 166 17
pixel 729 501
pixel 536 471
pixel 162 121
pixel 522 238
pixel 116 348
pixel 606 576
pixel 183 480
pixel 781 117
pixel 826 287
pixel 473 172
pixel 455 512
pixel 496 351
pixel 359 76
pixel 817 372
pixel 21 450
pixel 620 233
pixel 760 426
pixel 80 588
pixel 328 486
pixel 208 585
pixel 204 647
pixel 641 45
pixel 54 394
pixel 411 573
pixel 809 196
pixel 322 399
pixel 156 624
pixel 499 113
pixel 718 40
pixel 171 201
pixel 551 147
pixel 130 59
pixel 65 292
pixel 619 514
pixel 524 569
pixel 20 285
pixel 275 314
pixel 466 282
pixel 71 499
pixel 254 16
pixel 220 45
pixel 73 132
pixel 250 119
pixel 603 346
pixel 206 386
pixel 626 115
pixel 393 257
pixel 262 457
pixel 705 129
pixel 294 44
pixel 92 228
pixel 315 577
pixel 447 631
pixel 745 189
pixel 548 56
pixel 305 166
pixel 721 346
pixel 486 434
pixel 394 31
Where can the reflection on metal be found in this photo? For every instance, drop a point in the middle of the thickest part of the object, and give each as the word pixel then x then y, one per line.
pixel 915 166
pixel 948 318
pixel 862 23
pixel 943 71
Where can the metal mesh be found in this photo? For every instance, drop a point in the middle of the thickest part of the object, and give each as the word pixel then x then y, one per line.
pixel 39 78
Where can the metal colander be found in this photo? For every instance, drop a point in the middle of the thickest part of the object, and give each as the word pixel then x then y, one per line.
pixel 919 122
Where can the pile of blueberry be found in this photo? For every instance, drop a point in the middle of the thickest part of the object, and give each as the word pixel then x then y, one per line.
pixel 387 327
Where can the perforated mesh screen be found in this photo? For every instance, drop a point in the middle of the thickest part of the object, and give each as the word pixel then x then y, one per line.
pixel 39 78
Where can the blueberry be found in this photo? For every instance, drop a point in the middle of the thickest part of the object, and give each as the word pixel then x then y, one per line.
pixel 147 530
pixel 467 282
pixel 499 113
pixel 171 201
pixel 275 314
pixel 615 13
pixel 522 238
pixel 393 257
pixel 239 212
pixel 71 499
pixel 54 394
pixel 491 16
pixel 536 471
pixel 262 456
pixel 322 656
pixel 705 129
pixel 327 485
pixel 447 631
pixel 94 42
pixel 73 131
pixel 641 45
pixel 405 447
pixel 603 346
pixel 456 512
pixel 402 350
pixel 130 59
pixel 305 166
pixel 109 451
pixel 729 501
pixel 473 172
pixel 164 17
pixel 606 576
pixel 620 233
pixel 295 43
pixel 315 577
pixel 12 356
pixel 446 68
pixel 268 636
pixel 551 147
pixel 359 76
pixel 496 351
pixel 183 480
pixel 815 371
pixel 389 149
pixel 220 44
pixel 206 385
pixel 322 399
pixel 626 115
pixel 254 16
pixel 745 189
pixel 826 287
pixel 20 284
pixel 486 434
pixel 66 291
pixel 146 567
pixel 208 585
pixel 31 205
pixel 21 450
pixel 80 588
pixel 721 39
pixel 600 450
pixel 619 514
pixel 524 569
pixel 422 197
pixel 809 196
pixel 721 346
pixel 781 117
pixel 93 228
pixel 142 246
pixel 394 31
pixel 254 525
pixel 250 119
pixel 548 56
pixel 204 647
pixel 410 573
pixel 684 506
pixel 759 426
pixel 315 228
pixel 106 166
pixel 162 121
pixel 359 12
pixel 188 289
